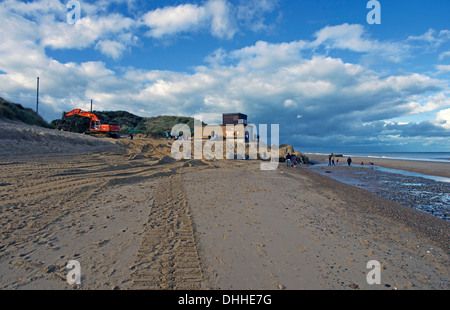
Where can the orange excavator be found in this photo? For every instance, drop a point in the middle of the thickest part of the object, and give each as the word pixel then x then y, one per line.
pixel 96 125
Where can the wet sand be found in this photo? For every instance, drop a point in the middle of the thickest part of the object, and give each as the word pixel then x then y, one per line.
pixel 424 167
pixel 416 191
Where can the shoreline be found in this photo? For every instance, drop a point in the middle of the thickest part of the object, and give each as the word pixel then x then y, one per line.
pixel 435 159
pixel 431 168
pixel 416 192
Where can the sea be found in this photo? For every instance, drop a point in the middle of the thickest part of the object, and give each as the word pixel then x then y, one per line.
pixel 421 156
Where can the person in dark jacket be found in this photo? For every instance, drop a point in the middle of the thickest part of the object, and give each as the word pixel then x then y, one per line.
pixel 288 160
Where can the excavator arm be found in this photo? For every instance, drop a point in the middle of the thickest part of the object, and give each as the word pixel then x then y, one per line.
pixel 80 112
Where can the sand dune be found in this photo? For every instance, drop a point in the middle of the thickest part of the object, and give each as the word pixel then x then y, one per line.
pixel 18 139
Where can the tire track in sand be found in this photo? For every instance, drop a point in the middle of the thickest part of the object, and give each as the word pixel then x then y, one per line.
pixel 168 256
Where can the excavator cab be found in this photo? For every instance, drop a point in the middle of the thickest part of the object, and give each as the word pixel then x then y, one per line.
pixel 95 125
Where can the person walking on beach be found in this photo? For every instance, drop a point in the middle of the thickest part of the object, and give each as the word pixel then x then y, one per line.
pixel 332 162
pixel 349 161
pixel 337 162
pixel 329 160
pixel 288 160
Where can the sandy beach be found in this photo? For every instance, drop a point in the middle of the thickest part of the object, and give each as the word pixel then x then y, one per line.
pixel 135 218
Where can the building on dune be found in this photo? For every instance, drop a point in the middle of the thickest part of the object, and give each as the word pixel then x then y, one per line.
pixel 234 125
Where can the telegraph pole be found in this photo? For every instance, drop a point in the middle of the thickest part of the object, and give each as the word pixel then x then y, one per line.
pixel 37 97
pixel 91 105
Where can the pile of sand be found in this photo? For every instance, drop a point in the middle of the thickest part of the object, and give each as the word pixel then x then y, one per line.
pixel 146 148
pixel 17 138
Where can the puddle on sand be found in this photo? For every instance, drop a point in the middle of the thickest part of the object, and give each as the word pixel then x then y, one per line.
pixel 413 174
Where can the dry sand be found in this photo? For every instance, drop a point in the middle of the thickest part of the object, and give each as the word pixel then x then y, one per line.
pixel 61 202
pixel 137 219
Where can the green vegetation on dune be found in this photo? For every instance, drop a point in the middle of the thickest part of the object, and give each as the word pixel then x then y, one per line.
pixel 75 123
pixel 17 112
pixel 164 123
pixel 149 126
pixel 128 122
pixel 124 119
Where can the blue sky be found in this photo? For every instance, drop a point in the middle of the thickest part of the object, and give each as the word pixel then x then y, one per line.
pixel 318 68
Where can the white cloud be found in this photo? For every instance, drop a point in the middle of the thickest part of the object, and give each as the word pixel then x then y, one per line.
pixel 251 13
pixel 443 118
pixel 263 54
pixel 85 32
pixel 344 36
pixel 353 37
pixel 222 21
pixel 428 104
pixel 43 24
pixel 432 38
pixel 443 68
pixel 308 87
pixel 171 20
pixel 289 103
pixel 36 8
pixel 221 17
pixel 444 55
pixel 110 48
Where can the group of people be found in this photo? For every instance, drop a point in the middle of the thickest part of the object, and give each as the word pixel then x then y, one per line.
pixel 331 161
pixel 172 135
pixel 291 160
